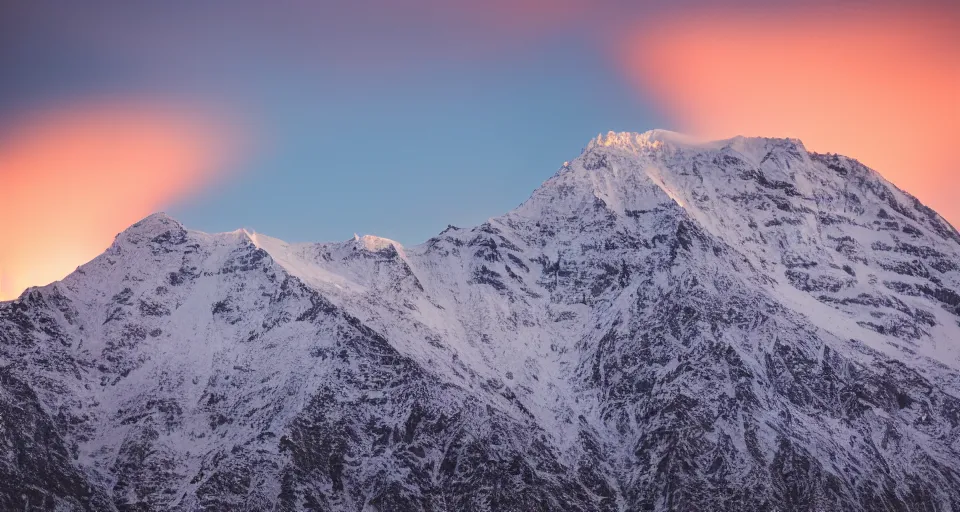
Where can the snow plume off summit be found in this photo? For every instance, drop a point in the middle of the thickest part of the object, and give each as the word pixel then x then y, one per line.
pixel 665 324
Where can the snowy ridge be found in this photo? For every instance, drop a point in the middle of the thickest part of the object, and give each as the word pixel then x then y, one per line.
pixel 665 324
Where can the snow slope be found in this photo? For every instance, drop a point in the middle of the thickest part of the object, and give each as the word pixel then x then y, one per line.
pixel 665 324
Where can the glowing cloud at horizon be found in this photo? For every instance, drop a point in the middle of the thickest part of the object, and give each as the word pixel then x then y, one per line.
pixel 71 179
pixel 881 87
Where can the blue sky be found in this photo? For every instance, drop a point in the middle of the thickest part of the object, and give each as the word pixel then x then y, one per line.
pixel 393 121
pixel 396 118
pixel 402 156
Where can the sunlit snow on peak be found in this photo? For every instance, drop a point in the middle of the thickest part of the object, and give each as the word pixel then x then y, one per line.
pixel 375 243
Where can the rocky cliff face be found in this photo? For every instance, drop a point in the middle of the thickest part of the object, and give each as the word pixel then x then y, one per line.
pixel 663 325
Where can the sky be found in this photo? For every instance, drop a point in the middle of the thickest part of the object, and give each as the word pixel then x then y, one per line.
pixel 312 120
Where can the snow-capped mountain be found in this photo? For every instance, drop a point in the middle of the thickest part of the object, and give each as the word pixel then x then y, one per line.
pixel 663 325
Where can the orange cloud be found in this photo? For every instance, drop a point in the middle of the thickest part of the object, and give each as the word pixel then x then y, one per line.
pixel 883 87
pixel 71 179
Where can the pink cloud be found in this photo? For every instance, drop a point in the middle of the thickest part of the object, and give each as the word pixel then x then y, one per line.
pixel 71 179
pixel 880 86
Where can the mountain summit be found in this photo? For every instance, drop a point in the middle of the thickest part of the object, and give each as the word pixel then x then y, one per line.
pixel 665 324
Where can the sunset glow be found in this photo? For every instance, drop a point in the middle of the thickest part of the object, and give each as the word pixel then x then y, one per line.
pixel 71 179
pixel 533 79
pixel 882 88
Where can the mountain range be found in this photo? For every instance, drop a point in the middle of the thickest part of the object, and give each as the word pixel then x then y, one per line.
pixel 665 324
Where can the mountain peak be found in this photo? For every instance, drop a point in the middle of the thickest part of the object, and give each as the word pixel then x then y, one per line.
pixel 375 243
pixel 150 227
pixel 657 138
pixel 651 138
pixel 155 221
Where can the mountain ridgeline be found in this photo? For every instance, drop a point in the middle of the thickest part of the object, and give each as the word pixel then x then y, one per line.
pixel 663 325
